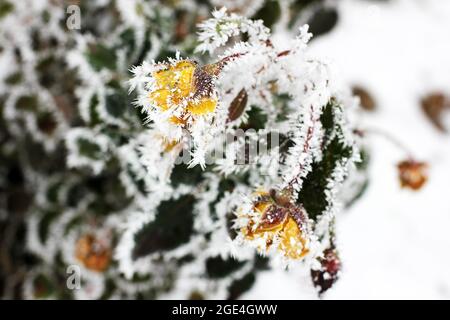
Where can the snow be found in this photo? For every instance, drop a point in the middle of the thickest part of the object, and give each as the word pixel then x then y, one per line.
pixel 394 243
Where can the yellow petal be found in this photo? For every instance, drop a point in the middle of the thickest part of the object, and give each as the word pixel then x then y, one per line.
pixel 184 82
pixel 177 121
pixel 173 84
pixel 262 206
pixel 164 78
pixel 202 107
pixel 160 98
pixel 293 244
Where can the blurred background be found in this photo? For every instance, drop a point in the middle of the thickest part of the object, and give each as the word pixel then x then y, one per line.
pixel 393 54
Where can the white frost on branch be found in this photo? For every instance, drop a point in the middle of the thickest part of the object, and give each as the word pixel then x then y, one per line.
pixel 215 32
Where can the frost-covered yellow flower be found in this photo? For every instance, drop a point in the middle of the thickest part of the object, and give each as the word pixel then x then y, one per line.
pixel 278 223
pixel 183 83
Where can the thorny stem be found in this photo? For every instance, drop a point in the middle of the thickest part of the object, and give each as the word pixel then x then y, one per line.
pixel 215 68
pixel 306 147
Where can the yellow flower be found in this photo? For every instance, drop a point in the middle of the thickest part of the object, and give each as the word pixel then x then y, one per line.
pixel 179 83
pixel 277 222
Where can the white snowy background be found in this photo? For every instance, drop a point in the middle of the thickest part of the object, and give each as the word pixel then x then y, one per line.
pixel 394 243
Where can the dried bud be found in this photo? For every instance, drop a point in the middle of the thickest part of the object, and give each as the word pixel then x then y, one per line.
pixel 328 273
pixel 93 253
pixel 412 174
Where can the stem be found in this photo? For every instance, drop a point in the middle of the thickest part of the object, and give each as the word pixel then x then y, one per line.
pixel 215 68
pixel 392 139
pixel 306 147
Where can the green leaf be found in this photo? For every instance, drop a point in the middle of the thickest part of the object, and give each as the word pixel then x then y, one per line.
pixel 45 223
pixel 27 103
pixel 53 191
pixel 182 175
pixel 313 196
pixel 89 149
pixel 101 57
pixel 127 38
pixel 46 123
pixel 93 113
pixel 5 8
pixel 172 227
pixel 14 78
pixel 256 119
pixel 116 104
pixel 238 287
pixel 270 13
pixel 323 20
pixel 216 267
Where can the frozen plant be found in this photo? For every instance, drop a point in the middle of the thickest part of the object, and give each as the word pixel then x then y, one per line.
pixel 231 163
pixel 281 202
